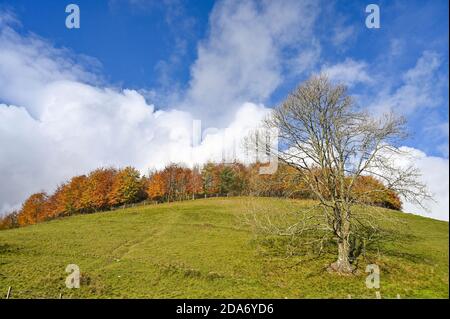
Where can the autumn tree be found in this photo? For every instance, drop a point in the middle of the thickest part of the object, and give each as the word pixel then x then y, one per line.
pixel 183 178
pixel 177 181
pixel 56 203
pixel 211 179
pixel 127 187
pixel 232 178
pixel 195 185
pixel 371 191
pixel 241 179
pixel 156 186
pixel 98 186
pixel 73 194
pixel 106 187
pixel 331 144
pixel 171 179
pixel 10 220
pixel 33 209
pixel 283 183
pixel 226 180
pixel 68 198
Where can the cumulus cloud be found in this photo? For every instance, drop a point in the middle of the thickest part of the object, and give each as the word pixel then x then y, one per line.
pixel 245 54
pixel 434 174
pixel 57 120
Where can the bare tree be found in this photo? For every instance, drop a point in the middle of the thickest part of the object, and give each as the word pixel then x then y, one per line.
pixel 331 143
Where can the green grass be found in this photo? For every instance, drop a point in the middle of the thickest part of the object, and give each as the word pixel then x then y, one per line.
pixel 200 249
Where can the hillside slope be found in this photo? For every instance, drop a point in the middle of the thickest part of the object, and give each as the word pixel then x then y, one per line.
pixel 199 249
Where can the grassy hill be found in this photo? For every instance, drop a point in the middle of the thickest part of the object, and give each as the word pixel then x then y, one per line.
pixel 199 249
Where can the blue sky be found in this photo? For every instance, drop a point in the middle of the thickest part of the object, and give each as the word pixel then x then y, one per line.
pixel 224 62
pixel 129 38
pixel 152 45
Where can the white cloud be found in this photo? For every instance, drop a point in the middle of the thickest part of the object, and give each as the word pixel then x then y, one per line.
pixel 418 89
pixel 396 47
pixel 342 34
pixel 349 72
pixel 435 174
pixel 306 60
pixel 58 120
pixel 243 57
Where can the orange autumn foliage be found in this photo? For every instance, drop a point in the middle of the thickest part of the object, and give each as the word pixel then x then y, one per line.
pixel 195 184
pixel 126 187
pixel 98 186
pixel 371 191
pixel 156 188
pixel 33 209
pixel 105 188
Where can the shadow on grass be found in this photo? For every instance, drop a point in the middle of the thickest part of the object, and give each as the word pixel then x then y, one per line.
pixel 180 269
pixel 386 242
pixel 8 249
pixel 395 244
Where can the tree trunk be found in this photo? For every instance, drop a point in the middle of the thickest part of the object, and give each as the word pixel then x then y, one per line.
pixel 342 264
